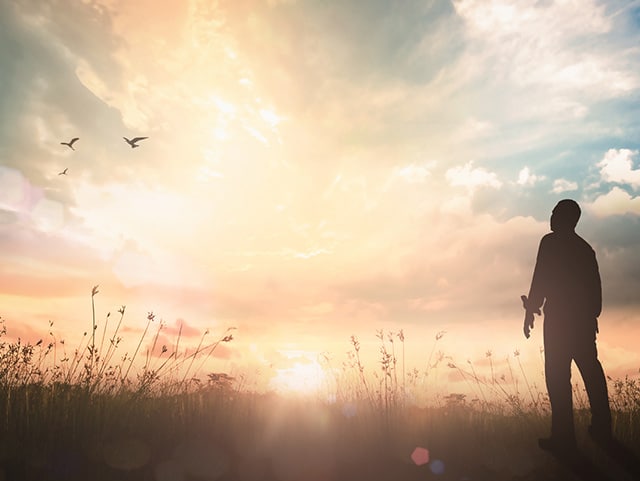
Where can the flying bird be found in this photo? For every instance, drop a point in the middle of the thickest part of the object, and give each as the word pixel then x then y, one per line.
pixel 64 172
pixel 70 143
pixel 134 142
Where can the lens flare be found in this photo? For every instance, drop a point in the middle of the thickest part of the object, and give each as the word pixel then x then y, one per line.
pixel 420 456
pixel 437 466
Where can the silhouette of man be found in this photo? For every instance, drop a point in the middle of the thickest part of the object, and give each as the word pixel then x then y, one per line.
pixel 566 279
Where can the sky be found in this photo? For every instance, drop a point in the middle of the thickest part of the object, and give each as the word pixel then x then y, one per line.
pixel 315 169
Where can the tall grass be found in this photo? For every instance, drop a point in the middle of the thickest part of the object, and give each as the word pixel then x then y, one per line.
pixel 94 397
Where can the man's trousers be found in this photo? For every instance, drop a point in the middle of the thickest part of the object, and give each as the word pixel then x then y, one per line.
pixel 564 343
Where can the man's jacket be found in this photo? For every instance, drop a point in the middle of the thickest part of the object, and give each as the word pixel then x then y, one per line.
pixel 566 279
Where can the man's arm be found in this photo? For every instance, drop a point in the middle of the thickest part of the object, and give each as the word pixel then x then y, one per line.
pixel 595 289
pixel 539 281
pixel 533 302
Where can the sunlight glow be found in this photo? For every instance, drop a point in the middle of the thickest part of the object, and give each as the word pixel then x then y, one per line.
pixel 301 378
pixel 270 117
pixel 256 134
pixel 206 173
pixel 224 106
pixel 119 211
pixel 220 133
pixel 292 185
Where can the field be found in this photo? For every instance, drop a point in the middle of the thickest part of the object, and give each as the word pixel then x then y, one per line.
pixel 91 414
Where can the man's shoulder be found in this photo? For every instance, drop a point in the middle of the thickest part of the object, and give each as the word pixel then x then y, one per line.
pixel 548 237
pixel 585 245
pixel 553 238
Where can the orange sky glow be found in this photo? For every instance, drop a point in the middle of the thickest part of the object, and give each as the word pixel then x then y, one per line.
pixel 313 171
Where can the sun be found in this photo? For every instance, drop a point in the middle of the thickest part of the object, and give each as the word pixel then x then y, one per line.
pixel 301 378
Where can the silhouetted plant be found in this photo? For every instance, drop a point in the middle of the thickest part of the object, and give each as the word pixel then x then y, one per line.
pixel 96 393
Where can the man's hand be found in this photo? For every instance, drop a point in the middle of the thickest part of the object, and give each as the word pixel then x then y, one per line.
pixel 528 323
pixel 528 316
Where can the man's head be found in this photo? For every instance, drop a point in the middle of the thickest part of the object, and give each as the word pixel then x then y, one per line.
pixel 565 216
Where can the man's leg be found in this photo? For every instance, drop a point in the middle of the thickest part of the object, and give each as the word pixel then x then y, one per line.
pixel 586 357
pixel 557 367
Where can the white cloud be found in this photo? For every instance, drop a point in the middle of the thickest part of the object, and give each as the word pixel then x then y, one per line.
pixel 617 166
pixel 412 173
pixel 563 185
pixel 541 44
pixel 501 18
pixel 525 177
pixel 616 202
pixel 467 176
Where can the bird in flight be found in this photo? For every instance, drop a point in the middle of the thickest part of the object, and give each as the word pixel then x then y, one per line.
pixel 70 143
pixel 64 172
pixel 134 142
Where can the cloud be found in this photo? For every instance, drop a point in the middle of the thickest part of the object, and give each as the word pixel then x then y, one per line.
pixel 617 166
pixel 541 44
pixel 472 178
pixel 501 18
pixel 413 173
pixel 42 254
pixel 164 346
pixel 439 272
pixel 24 332
pixel 457 205
pixel 182 329
pixel 615 202
pixel 563 185
pixel 262 246
pixel 473 129
pixel 525 177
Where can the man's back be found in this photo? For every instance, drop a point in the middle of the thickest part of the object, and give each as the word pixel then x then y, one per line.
pixel 567 277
